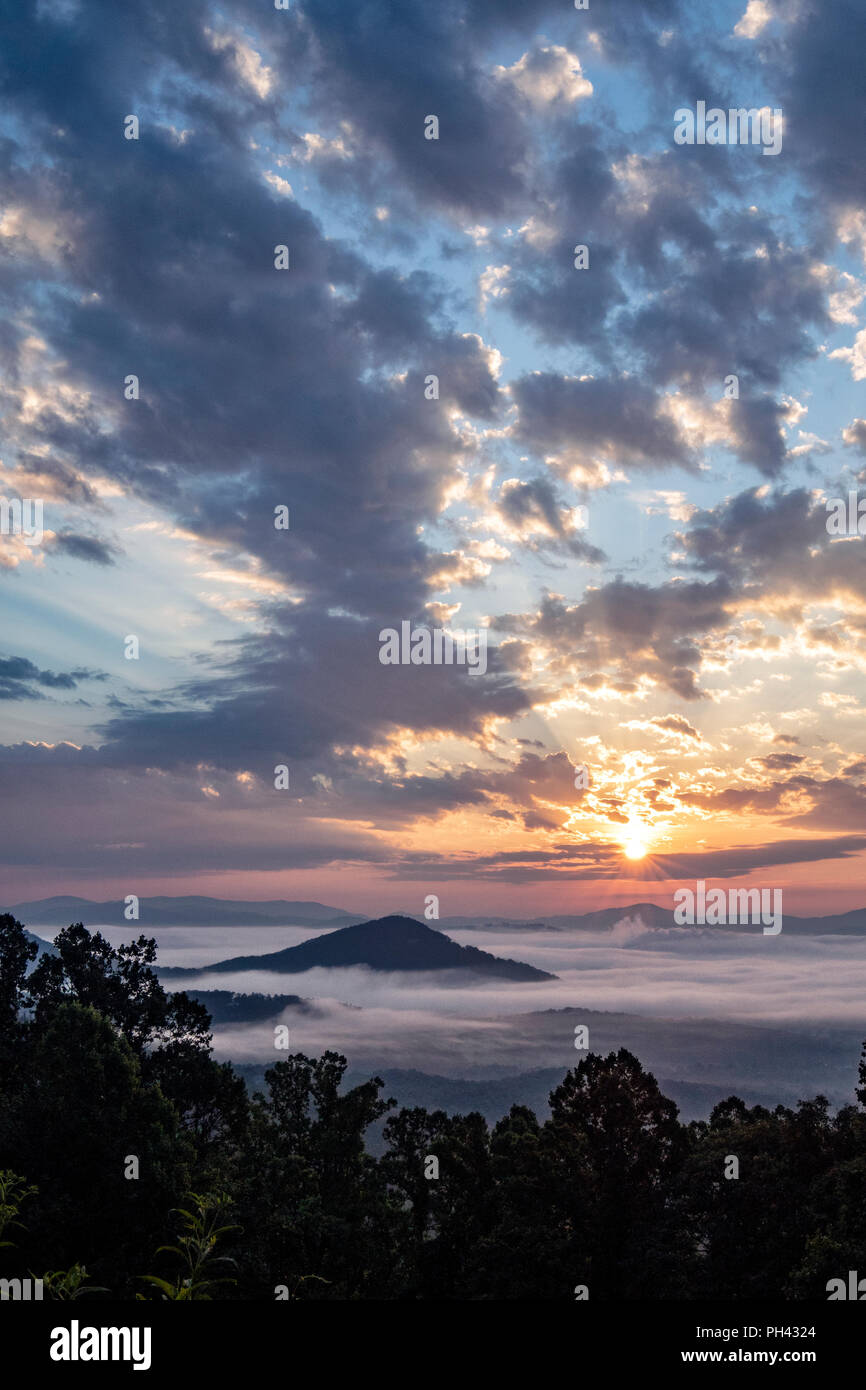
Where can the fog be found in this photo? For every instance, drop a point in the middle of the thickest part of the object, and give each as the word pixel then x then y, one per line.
pixel 784 1012
pixel 205 945
pixel 664 972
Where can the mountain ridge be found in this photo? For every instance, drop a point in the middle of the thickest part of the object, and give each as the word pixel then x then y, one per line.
pixel 192 910
pixel 188 910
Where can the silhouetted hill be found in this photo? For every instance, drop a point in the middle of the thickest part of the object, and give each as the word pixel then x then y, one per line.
pixel 389 943
pixel 224 1006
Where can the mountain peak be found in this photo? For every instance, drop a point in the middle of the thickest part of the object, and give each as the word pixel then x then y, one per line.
pixel 392 943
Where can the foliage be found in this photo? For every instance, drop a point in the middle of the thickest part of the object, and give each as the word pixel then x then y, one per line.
pixel 66 1285
pixel 195 1248
pixel 13 1191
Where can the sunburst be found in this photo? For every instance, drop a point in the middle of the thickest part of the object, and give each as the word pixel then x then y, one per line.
pixel 635 840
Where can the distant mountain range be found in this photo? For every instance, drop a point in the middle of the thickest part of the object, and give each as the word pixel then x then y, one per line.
pixel 494 1097
pixel 181 912
pixel 851 923
pixel 225 912
pixel 389 943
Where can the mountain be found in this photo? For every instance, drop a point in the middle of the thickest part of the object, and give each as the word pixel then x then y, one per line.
pixel 389 943
pixel 44 948
pixel 844 924
pixel 494 1098
pixel 851 923
pixel 181 912
pixel 225 912
pixel 603 920
pixel 607 917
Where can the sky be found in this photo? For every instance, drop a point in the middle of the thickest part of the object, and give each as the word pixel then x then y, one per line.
pixel 675 640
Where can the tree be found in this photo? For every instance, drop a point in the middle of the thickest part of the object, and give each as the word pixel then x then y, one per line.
pixel 313 1193
pixel 753 1229
pixel 168 1033
pixel 84 1113
pixel 120 984
pixel 16 954
pixel 633 1148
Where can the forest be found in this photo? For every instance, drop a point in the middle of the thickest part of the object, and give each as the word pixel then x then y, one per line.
pixel 133 1165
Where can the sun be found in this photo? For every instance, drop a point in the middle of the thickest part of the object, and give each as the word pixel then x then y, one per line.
pixel 635 841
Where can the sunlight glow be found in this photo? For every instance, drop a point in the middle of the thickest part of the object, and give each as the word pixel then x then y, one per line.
pixel 635 841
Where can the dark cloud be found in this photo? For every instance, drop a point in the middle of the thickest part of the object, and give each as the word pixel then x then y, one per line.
pixel 524 503
pixel 836 803
pixel 19 679
pixel 731 311
pixel 818 65
pixel 633 629
pixel 88 548
pixel 676 724
pixel 618 416
pixel 780 762
pixel 776 542
pixel 332 690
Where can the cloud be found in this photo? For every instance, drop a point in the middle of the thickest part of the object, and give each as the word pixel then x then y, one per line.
pixel 88 548
pixel 532 513
pixel 634 630
pixel 19 679
pixel 854 436
pixel 758 14
pixel 855 356
pixel 675 724
pixel 246 62
pixel 545 75
pixel 492 284
pixel 776 543
pixel 573 419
